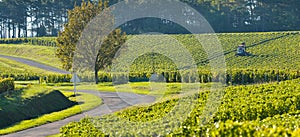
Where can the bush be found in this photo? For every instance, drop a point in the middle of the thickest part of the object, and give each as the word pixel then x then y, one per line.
pixel 7 84
pixel 51 78
pixel 44 41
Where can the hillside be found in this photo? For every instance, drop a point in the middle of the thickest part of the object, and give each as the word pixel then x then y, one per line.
pixel 274 57
pixel 271 51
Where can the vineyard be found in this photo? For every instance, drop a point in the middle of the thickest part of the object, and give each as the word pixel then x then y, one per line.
pixel 244 111
pixel 261 96
pixel 270 109
pixel 274 58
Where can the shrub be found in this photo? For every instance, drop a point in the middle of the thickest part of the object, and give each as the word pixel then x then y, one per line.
pixel 7 84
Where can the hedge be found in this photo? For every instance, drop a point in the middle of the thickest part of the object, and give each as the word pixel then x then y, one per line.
pixel 237 76
pixel 52 78
pixel 32 41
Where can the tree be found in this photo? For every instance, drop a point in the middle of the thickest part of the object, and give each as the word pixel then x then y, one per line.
pixel 78 19
pixel 41 31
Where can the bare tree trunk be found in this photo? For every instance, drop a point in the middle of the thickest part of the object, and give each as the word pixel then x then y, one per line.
pixel 19 30
pixel 96 76
pixel 14 30
pixel 25 27
pixel 31 25
pixel 1 33
pixel 9 29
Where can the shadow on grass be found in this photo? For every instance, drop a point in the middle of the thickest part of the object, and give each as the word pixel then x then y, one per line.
pixel 14 108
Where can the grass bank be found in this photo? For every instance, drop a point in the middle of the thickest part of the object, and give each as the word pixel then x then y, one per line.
pixel 87 102
pixel 41 54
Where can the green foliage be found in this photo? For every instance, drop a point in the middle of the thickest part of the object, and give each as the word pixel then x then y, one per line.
pixel 274 52
pixel 279 125
pixel 84 128
pixel 15 14
pixel 7 84
pixel 78 18
pixel 49 78
pixel 224 16
pixel 233 76
pixel 42 41
pixel 108 50
pixel 266 109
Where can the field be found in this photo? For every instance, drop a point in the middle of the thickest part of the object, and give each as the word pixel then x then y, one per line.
pixel 261 95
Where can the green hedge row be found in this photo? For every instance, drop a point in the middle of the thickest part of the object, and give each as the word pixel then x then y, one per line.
pixel 6 84
pixel 53 78
pixel 32 41
pixel 231 76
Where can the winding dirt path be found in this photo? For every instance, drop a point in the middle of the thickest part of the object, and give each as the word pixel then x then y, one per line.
pixel 35 64
pixel 111 102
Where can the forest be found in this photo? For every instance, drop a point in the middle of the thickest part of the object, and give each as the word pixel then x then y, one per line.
pixel 31 18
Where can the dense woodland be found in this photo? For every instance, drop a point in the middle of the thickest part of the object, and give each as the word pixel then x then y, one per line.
pixel 28 18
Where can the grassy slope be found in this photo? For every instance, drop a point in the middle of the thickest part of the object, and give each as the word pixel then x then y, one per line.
pixel 45 55
pixel 14 108
pixel 89 102
pixel 9 66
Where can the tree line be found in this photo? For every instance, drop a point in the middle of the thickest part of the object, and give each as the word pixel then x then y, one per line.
pixel 232 16
pixel 28 18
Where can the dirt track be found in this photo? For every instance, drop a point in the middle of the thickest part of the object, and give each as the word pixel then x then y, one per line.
pixel 112 102
pixel 35 64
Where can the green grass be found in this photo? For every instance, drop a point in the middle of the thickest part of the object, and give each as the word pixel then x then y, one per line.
pixel 159 90
pixel 88 102
pixel 44 55
pixel 56 135
pixel 11 66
